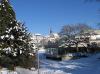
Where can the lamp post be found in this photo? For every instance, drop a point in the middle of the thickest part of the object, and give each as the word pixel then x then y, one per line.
pixel 37 45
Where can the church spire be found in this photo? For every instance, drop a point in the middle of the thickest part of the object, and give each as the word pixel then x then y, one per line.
pixel 50 30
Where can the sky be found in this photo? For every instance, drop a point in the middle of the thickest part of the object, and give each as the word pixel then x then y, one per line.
pixel 40 15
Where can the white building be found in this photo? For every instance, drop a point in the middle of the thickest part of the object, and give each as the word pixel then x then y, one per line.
pixel 53 37
pixel 42 40
pixel 37 38
pixel 92 35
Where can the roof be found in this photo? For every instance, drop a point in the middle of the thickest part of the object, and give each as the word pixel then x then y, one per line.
pixel 92 31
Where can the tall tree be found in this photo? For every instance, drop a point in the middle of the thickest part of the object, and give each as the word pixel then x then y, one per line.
pixel 15 41
pixel 7 16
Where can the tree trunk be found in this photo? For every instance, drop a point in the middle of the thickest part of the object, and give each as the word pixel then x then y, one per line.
pixel 77 49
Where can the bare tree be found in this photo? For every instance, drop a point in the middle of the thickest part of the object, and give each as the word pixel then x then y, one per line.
pixel 71 31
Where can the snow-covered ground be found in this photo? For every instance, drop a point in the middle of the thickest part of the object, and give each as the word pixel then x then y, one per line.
pixel 89 65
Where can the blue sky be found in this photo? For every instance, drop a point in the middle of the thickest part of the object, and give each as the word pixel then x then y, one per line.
pixel 39 15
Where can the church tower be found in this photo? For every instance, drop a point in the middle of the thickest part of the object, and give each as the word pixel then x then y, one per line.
pixel 50 31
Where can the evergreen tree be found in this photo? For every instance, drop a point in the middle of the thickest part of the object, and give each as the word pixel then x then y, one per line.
pixel 15 41
pixel 7 16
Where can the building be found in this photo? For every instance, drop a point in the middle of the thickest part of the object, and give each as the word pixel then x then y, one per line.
pixel 92 36
pixel 53 37
pixel 38 40
pixel 42 40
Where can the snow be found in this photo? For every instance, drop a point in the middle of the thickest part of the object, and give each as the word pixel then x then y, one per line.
pixel 2 37
pixel 89 65
pixel 6 0
pixel 5 71
pixel 12 37
pixel 7 36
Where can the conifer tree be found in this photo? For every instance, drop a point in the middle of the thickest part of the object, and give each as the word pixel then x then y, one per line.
pixel 15 41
